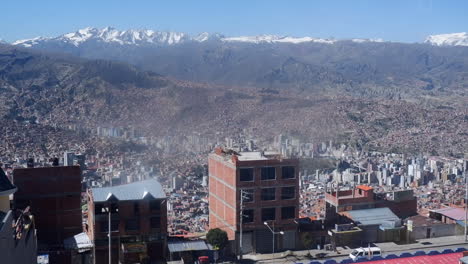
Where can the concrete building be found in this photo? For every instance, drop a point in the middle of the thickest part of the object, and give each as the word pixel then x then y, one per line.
pixel 54 196
pixel 377 225
pixel 18 243
pixel 270 185
pixel 402 203
pixel 68 158
pixel 425 227
pixel 138 217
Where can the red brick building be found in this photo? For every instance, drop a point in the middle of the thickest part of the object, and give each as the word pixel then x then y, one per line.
pixel 138 222
pixel 271 194
pixel 54 196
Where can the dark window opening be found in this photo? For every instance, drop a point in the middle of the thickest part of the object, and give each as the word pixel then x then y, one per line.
pixel 248 195
pixel 105 225
pixel 248 216
pixel 155 205
pixel 268 214
pixel 268 173
pixel 132 224
pixel 155 222
pixel 246 174
pixel 268 194
pixel 288 212
pixel 136 208
pixel 288 172
pixel 99 209
pixel 288 193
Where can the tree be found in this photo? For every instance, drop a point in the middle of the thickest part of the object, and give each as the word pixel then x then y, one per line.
pixel 307 241
pixel 217 238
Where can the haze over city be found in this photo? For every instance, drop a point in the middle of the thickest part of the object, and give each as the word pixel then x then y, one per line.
pixel 233 132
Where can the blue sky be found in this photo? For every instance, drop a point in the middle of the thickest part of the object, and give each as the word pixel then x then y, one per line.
pixel 395 20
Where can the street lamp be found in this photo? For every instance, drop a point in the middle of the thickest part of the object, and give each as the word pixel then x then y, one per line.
pixel 274 233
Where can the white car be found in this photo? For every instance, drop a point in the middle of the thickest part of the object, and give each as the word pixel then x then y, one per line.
pixel 366 253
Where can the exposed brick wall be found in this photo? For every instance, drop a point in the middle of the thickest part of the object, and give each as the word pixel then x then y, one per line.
pixel 225 186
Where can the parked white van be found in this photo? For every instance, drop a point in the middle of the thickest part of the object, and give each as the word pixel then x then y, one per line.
pixel 366 253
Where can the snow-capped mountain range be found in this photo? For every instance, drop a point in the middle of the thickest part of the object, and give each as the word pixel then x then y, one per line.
pixel 453 39
pixel 148 37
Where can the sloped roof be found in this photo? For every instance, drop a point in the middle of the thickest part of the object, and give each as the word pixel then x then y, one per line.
pixel 452 212
pixel 131 191
pixel 374 216
pixel 180 246
pixel 81 242
pixel 364 187
pixel 6 187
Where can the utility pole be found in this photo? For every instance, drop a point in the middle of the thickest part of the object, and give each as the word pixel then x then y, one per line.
pixel 272 230
pixel 465 200
pixel 109 231
pixel 273 237
pixel 241 215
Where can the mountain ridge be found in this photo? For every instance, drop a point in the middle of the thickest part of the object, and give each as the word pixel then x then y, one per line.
pixel 148 37
pixel 152 37
pixel 451 39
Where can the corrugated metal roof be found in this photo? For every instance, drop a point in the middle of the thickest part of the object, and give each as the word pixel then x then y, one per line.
pixel 374 216
pixel 179 246
pixel 130 191
pixel 453 213
pixel 80 242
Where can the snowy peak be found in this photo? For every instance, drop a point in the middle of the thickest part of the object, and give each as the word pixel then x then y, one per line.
pixel 358 40
pixel 276 39
pixel 111 35
pixel 144 37
pixel 453 39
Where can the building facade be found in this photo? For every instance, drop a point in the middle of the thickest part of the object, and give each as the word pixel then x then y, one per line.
pixel 268 185
pixel 402 203
pixel 54 196
pixel 18 242
pixel 138 222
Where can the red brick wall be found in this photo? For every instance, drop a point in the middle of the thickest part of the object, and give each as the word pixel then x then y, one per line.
pixel 54 194
pixel 222 197
pixel 223 173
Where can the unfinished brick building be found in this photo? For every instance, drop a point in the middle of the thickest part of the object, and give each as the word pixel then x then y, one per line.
pixel 271 194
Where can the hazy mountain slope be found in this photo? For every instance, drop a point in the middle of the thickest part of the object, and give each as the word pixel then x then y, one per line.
pixel 354 67
pixel 61 90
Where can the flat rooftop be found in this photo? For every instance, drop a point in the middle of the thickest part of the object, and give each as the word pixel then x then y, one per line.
pixel 253 155
pixel 229 154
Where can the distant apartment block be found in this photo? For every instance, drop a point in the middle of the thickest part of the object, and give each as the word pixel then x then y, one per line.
pixel 270 184
pixel 138 222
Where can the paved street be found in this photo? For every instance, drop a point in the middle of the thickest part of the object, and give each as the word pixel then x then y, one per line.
pixel 427 245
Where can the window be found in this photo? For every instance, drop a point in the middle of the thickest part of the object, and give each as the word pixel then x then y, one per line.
pixel 288 172
pixel 268 194
pixel 248 216
pixel 268 214
pixel 114 226
pixel 268 173
pixel 155 222
pixel 155 205
pixel 132 224
pixel 249 195
pixel 246 174
pixel 288 212
pixel 288 193
pixel 99 209
pixel 136 208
